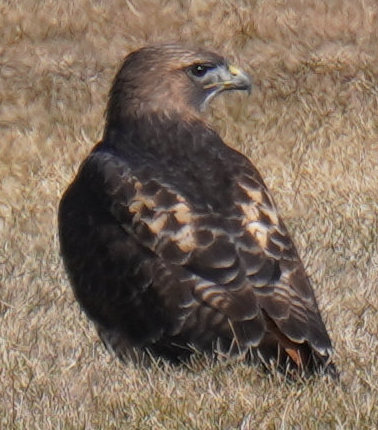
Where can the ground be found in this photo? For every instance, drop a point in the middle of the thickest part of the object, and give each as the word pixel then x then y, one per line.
pixel 310 126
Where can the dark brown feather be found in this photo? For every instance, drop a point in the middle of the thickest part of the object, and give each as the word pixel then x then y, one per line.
pixel 172 240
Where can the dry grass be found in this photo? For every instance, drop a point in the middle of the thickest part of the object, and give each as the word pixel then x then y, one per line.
pixel 311 126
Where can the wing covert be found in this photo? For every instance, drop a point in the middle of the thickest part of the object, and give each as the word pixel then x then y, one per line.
pixel 241 264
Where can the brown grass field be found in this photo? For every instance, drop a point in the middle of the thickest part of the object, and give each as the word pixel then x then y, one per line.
pixel 310 126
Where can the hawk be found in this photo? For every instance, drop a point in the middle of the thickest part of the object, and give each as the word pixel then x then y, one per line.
pixel 171 240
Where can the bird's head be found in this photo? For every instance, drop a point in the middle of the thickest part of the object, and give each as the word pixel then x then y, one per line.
pixel 169 79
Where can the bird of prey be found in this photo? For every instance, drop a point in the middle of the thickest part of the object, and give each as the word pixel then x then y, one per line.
pixel 171 240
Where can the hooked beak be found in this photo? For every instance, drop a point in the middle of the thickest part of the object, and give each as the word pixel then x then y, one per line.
pixel 231 78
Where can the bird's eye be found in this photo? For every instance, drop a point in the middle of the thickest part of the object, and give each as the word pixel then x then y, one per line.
pixel 199 70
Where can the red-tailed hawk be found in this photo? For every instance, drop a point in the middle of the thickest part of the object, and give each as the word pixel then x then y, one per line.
pixel 171 239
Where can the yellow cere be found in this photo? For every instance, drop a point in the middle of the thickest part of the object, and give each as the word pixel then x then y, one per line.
pixel 234 70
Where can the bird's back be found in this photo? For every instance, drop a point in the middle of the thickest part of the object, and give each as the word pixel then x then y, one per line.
pixel 176 242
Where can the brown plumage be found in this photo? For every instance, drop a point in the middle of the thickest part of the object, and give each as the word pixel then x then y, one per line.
pixel 171 239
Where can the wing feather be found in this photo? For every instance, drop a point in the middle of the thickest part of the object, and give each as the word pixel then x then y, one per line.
pixel 242 264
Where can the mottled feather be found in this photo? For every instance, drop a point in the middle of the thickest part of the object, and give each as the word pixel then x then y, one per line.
pixel 171 238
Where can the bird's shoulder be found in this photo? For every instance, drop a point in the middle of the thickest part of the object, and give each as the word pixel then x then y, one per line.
pixel 239 257
pixel 200 224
